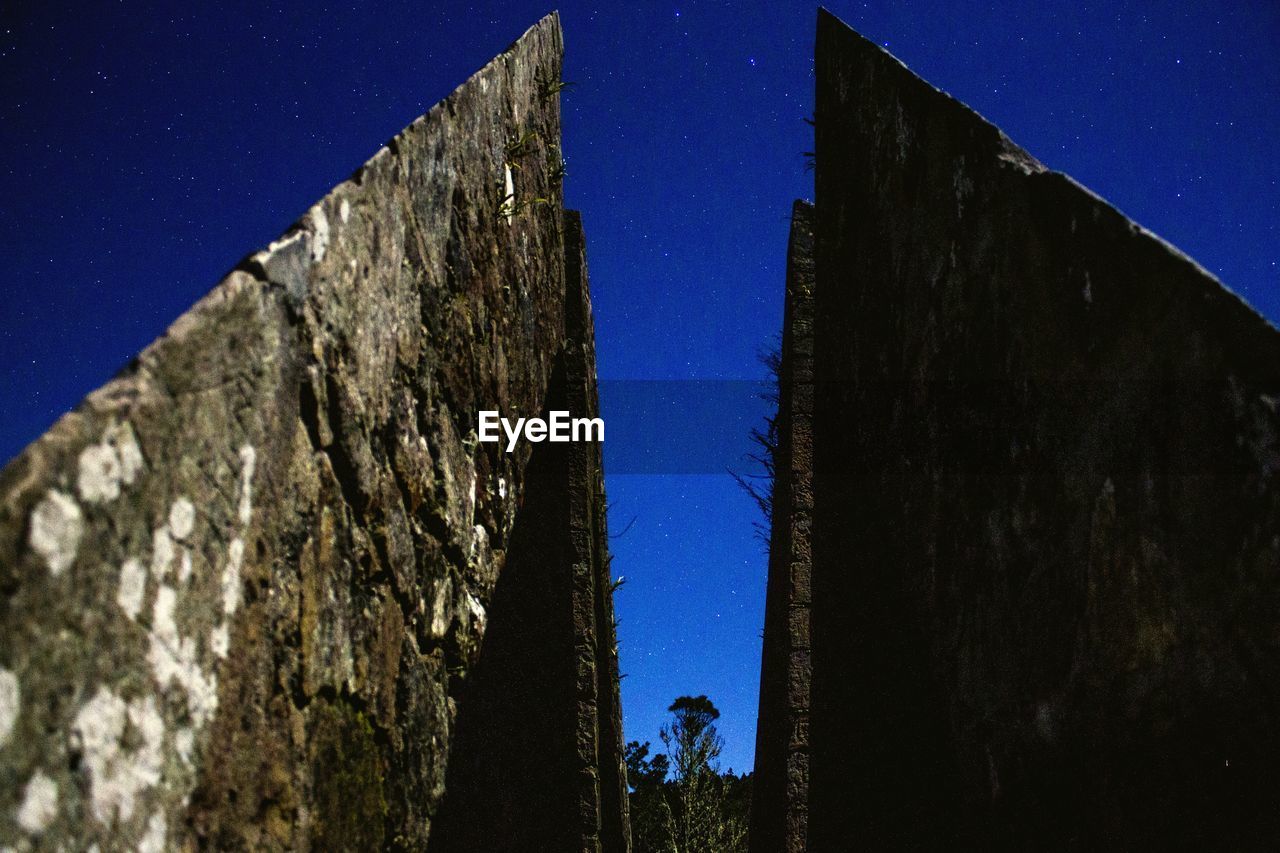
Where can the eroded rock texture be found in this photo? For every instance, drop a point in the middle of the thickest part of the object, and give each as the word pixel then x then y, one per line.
pixel 243 586
pixel 536 764
pixel 1046 527
pixel 780 783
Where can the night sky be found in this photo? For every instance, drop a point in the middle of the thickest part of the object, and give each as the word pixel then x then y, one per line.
pixel 147 148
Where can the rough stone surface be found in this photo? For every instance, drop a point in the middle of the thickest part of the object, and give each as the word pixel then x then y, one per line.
pixel 780 783
pixel 1047 521
pixel 243 585
pixel 543 705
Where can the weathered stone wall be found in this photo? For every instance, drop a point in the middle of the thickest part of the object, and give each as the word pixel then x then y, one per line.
pixel 243 585
pixel 780 783
pixel 537 760
pixel 1047 520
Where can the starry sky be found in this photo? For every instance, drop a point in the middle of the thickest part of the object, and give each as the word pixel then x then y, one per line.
pixel 148 146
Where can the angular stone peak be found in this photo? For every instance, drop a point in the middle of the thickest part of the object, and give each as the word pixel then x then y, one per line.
pixel 244 584
pixel 1044 525
pixel 780 783
pixel 874 66
pixel 877 67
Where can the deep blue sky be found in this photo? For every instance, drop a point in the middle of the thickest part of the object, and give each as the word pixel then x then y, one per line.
pixel 147 147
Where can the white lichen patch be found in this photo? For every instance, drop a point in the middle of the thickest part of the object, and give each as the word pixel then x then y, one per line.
pixel 123 743
pixel 231 576
pixel 174 659
pixel 154 839
pixel 320 233
pixel 10 704
pixel 39 804
pixel 230 583
pixel 105 467
pixel 184 743
pixel 502 487
pixel 133 587
pixel 118 774
pixel 57 525
pixel 99 474
pixel 182 519
pixel 248 462
pixel 344 211
pixel 162 552
pixel 220 639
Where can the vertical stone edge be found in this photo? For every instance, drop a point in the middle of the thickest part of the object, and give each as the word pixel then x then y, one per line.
pixel 780 784
pixel 602 770
pixel 799 435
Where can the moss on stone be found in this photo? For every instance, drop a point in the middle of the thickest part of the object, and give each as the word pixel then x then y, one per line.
pixel 350 807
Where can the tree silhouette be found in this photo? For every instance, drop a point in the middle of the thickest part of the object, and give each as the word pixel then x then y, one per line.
pixel 696 810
